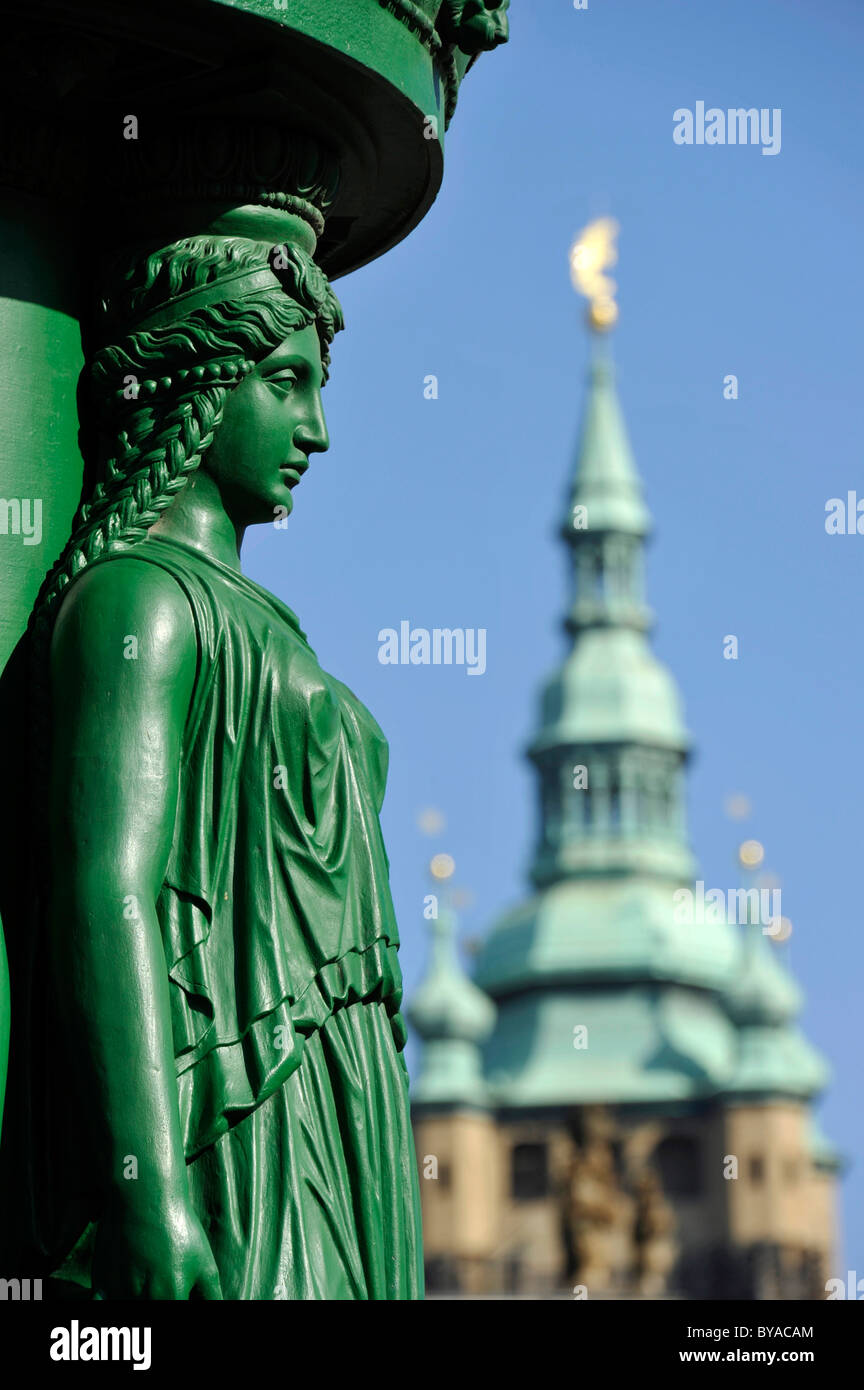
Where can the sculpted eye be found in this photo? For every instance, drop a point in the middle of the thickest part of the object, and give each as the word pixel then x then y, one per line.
pixel 283 381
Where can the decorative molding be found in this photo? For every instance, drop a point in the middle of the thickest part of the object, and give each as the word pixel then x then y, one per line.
pixel 211 158
pixel 190 159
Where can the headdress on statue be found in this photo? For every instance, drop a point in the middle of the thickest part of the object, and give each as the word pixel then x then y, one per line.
pixel 288 268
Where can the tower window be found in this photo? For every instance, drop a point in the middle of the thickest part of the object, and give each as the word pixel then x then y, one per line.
pixel 679 1165
pixel 529 1172
pixel 614 801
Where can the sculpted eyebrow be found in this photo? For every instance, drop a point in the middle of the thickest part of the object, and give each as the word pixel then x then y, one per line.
pixel 291 364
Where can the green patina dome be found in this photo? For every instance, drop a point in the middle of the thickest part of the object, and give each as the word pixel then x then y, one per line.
pixel 772 1063
pixel 762 991
pixel 774 1058
pixel 448 1004
pixel 453 1017
pixel 642 1044
pixel 624 930
pixel 612 688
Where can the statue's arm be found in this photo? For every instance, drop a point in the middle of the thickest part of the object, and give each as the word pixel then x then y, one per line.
pixel 123 661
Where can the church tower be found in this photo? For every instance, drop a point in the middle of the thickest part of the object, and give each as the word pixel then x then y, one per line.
pixel 647 1083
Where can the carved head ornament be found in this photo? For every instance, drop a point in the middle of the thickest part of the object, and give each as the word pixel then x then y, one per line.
pixel 474 26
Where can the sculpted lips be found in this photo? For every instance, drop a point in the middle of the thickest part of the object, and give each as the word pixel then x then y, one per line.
pixel 294 471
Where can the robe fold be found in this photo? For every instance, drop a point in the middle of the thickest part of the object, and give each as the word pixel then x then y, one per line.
pixel 281 949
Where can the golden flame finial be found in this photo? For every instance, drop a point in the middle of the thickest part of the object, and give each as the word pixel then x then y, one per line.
pixel 591 255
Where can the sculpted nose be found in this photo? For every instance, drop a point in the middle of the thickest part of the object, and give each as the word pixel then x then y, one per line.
pixel 311 434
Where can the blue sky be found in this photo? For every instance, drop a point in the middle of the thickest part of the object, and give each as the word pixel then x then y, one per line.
pixel 443 512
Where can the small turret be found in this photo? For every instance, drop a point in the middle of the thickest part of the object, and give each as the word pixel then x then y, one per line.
pixel 453 1017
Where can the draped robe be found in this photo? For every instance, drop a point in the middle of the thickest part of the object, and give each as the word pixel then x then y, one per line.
pixel 281 945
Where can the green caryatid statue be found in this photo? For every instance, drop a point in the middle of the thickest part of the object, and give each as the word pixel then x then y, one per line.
pixel 207 1093
pixel 220 926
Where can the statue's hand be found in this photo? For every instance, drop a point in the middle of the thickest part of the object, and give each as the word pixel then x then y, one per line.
pixel 153 1251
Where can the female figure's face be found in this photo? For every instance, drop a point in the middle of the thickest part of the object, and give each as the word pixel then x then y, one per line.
pixel 272 422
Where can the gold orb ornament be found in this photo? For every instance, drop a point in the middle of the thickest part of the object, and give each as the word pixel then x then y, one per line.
pixel 751 854
pixel 442 866
pixel 603 315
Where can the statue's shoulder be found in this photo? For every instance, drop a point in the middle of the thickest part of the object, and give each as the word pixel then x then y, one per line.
pixel 121 581
pixel 126 594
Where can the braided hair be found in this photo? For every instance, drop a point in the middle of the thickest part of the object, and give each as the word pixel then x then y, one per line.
pixel 152 400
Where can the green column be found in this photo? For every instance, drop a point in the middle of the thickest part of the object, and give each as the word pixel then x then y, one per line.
pixel 40 481
pixel 41 465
